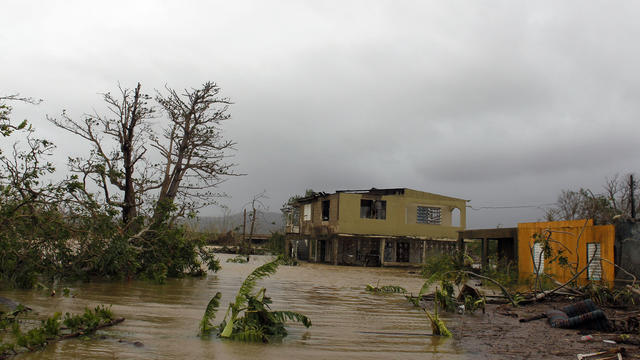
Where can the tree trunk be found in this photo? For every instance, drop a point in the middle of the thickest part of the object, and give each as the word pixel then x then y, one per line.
pixel 129 208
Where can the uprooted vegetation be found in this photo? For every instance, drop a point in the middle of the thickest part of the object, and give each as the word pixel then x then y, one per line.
pixel 454 269
pixel 438 326
pixel 249 317
pixel 501 274
pixel 20 333
pixel 617 312
pixel 239 259
pixel 385 289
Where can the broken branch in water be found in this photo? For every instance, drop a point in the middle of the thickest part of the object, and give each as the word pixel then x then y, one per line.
pixel 83 332
pixel 504 290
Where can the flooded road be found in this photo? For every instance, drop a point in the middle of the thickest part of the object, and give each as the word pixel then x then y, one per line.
pixel 347 321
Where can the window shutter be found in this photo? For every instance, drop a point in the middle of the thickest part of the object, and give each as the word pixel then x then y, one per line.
pixel 594 272
pixel 538 259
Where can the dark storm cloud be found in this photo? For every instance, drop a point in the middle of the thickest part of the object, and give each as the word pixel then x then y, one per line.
pixel 500 102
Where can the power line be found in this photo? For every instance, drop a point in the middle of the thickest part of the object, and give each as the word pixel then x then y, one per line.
pixel 511 207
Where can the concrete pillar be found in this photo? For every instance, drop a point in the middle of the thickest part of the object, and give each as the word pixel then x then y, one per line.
pixel 393 251
pixel 460 247
pixel 485 255
pixel 424 251
pixel 463 217
pixel 335 251
pixel 382 243
pixel 315 253
pixel 287 246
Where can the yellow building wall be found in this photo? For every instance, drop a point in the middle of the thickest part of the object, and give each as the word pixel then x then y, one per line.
pixel 401 215
pixel 566 232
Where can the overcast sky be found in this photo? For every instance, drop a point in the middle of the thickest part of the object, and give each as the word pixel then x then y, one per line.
pixel 504 103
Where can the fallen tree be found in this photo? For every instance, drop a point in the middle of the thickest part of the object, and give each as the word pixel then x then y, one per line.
pixel 18 336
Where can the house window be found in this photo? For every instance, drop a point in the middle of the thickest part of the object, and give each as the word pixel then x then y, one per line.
pixel 402 251
pixel 594 272
pixel 325 210
pixel 373 209
pixel 429 215
pixel 306 212
pixel 294 217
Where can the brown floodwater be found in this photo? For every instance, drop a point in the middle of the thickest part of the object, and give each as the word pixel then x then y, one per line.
pixel 348 322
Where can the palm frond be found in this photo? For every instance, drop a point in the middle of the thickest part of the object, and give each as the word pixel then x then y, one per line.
pixel 249 317
pixel 437 325
pixel 389 289
pixel 260 272
pixel 210 314
pixel 249 335
pixel 247 287
pixel 427 284
pixel 228 329
pixel 283 316
pixel 415 300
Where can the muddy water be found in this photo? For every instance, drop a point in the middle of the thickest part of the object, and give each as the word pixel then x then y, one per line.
pixel 347 321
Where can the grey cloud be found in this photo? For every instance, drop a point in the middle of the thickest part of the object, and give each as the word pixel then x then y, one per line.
pixel 500 102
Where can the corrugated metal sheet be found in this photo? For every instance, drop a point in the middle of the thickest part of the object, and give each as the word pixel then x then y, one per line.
pixel 594 272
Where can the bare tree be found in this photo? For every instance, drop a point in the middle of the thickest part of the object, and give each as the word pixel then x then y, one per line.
pixel 192 151
pixel 118 142
pixel 616 201
pixel 613 190
pixel 193 148
pixel 256 206
pixel 567 206
pixel 622 192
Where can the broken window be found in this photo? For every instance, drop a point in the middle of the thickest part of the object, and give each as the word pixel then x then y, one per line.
pixel 388 250
pixel 325 210
pixel 429 215
pixel 306 212
pixel 293 217
pixel 373 209
pixel 402 251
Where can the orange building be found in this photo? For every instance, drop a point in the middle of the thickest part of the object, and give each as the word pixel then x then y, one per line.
pixel 579 240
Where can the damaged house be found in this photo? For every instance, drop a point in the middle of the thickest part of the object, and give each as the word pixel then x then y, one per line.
pixel 376 227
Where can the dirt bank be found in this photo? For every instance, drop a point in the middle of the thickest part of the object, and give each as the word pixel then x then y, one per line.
pixel 498 334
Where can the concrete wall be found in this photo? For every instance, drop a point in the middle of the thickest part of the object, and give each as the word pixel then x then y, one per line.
pixel 315 226
pixel 628 248
pixel 401 215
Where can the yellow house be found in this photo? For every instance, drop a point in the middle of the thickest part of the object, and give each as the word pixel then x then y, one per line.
pixel 580 241
pixel 396 226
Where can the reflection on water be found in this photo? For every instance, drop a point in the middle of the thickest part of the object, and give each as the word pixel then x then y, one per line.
pixel 347 321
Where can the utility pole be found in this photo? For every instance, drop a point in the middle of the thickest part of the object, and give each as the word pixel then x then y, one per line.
pixel 244 228
pixel 632 186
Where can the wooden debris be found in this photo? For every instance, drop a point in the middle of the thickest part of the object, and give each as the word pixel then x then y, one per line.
pixel 615 353
pixel 102 326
